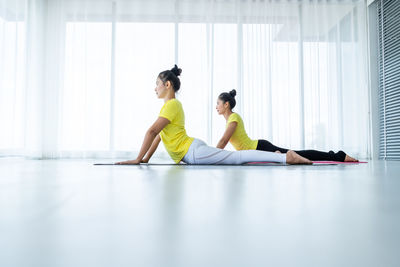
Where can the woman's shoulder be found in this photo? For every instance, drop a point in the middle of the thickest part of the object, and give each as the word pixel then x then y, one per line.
pixel 172 106
pixel 234 117
pixel 173 103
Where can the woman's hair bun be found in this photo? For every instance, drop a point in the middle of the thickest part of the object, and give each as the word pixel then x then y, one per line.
pixel 177 71
pixel 233 93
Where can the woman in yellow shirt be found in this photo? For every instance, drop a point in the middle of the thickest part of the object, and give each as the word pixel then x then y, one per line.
pixel 170 129
pixel 237 136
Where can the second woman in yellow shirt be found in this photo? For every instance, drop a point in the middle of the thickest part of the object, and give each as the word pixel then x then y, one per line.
pixel 237 136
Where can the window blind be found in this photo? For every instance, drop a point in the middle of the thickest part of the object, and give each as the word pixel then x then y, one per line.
pixel 388 16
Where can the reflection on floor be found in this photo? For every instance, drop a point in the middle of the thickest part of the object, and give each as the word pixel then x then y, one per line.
pixel 71 213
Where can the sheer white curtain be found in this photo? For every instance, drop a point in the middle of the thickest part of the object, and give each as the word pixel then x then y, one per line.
pixel 77 77
pixel 12 76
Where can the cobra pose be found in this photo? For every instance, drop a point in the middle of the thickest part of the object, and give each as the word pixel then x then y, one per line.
pixel 169 128
pixel 237 136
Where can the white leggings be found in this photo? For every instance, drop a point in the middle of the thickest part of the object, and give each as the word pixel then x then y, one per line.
pixel 200 153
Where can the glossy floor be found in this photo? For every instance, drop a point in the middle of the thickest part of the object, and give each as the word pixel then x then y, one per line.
pixel 71 213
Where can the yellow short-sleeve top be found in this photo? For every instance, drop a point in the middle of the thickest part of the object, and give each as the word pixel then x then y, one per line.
pixel 240 139
pixel 174 136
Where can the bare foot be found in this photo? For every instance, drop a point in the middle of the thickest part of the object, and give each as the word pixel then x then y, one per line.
pixel 350 159
pixel 278 152
pixel 294 158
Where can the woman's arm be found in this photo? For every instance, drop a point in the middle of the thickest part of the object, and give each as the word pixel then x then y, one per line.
pixel 227 135
pixel 152 149
pixel 151 134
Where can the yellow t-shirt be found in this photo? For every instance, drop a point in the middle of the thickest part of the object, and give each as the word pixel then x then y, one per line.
pixel 239 138
pixel 174 136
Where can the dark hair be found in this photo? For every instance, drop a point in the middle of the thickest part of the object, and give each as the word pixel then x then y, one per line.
pixel 229 97
pixel 172 76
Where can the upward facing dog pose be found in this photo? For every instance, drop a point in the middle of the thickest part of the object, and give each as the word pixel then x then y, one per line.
pixel 237 136
pixel 170 128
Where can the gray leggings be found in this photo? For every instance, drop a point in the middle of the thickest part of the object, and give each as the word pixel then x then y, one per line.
pixel 200 153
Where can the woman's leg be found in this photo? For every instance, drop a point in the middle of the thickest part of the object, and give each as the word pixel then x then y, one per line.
pixel 265 145
pixel 200 153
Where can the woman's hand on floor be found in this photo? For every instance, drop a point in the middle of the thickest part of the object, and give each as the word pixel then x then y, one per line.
pixel 128 162
pixel 145 160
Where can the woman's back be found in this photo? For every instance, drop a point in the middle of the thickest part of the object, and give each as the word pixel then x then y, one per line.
pixel 240 140
pixel 174 136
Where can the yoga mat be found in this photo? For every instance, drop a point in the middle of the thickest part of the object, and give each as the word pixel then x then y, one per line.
pixel 339 162
pixel 246 164
pixel 172 164
pixel 314 162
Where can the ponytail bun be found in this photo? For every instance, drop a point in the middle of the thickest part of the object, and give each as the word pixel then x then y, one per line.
pixel 172 76
pixel 177 71
pixel 228 97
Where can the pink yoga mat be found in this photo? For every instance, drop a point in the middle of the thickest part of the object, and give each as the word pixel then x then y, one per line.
pixel 315 162
pixel 339 162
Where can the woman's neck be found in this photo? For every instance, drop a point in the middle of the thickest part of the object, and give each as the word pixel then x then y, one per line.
pixel 227 114
pixel 169 96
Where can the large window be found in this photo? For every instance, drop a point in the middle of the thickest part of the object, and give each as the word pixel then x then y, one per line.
pixel 86 93
pixel 142 50
pixel 193 59
pixel 78 77
pixel 225 69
